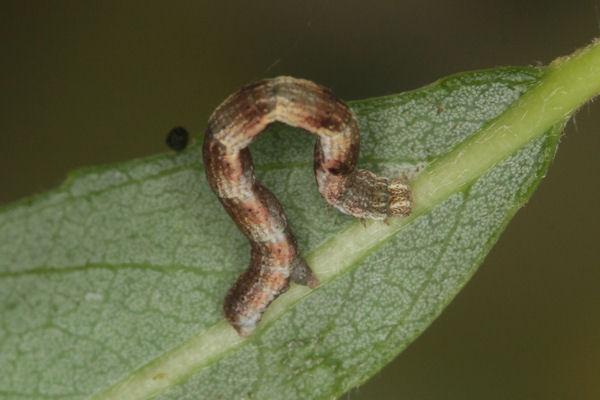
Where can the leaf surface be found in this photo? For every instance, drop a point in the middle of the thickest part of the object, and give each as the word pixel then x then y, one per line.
pixel 112 284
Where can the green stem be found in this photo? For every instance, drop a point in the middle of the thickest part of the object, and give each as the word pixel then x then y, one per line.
pixel 569 82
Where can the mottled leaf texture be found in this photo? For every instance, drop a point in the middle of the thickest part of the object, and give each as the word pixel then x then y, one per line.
pixel 112 284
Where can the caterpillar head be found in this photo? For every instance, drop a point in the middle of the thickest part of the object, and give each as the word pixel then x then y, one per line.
pixel 400 201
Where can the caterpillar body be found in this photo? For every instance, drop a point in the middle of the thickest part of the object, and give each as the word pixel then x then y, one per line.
pixel 275 258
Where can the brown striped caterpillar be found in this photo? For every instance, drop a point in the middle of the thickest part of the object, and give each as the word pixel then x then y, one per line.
pixel 275 258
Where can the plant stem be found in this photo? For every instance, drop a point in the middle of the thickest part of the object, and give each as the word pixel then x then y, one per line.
pixel 569 82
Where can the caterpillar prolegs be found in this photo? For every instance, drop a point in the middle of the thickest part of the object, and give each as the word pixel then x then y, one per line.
pixel 275 257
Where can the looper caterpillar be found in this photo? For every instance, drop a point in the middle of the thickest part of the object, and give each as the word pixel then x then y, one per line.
pixel 275 257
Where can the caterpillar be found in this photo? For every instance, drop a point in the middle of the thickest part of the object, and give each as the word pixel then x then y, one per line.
pixel 275 259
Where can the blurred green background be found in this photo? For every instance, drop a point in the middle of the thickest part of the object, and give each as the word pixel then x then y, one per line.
pixel 87 83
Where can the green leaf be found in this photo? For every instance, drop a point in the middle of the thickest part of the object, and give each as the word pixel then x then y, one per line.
pixel 112 284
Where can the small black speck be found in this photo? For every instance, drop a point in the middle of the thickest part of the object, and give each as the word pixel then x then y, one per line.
pixel 177 139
